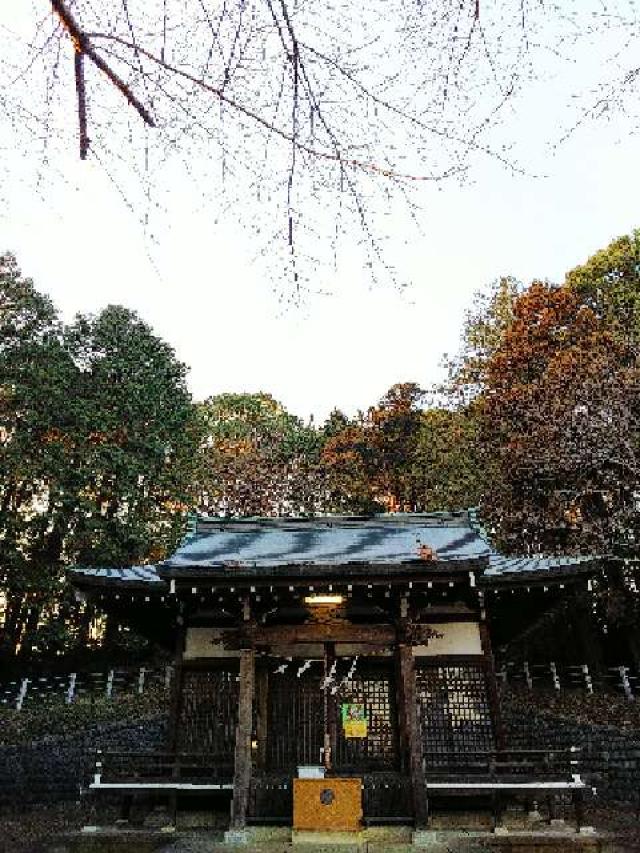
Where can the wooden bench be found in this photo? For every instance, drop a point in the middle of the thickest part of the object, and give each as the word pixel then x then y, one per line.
pixel 173 773
pixel 528 773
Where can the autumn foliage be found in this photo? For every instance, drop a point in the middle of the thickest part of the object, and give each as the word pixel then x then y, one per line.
pixel 558 413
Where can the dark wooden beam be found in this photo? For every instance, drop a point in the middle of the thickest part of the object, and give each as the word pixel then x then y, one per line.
pixel 339 632
pixel 242 771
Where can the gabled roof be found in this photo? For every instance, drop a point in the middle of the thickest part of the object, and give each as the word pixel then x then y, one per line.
pixel 327 541
pixel 330 544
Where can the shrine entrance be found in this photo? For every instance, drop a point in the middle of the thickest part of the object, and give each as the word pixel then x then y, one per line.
pixel 301 711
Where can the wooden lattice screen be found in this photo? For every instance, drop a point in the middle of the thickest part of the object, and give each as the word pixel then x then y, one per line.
pixel 208 712
pixel 453 710
pixel 295 718
pixel 372 684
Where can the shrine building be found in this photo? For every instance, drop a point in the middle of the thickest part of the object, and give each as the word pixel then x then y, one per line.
pixel 331 672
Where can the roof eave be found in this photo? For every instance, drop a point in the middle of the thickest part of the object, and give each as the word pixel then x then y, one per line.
pixel 419 569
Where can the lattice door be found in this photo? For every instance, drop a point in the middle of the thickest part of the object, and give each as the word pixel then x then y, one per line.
pixel 208 712
pixel 372 684
pixel 295 731
pixel 453 710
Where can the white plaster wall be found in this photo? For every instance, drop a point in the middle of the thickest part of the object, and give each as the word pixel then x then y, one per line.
pixel 206 643
pixel 458 638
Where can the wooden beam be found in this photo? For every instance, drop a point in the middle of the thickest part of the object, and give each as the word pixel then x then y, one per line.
pixel 242 772
pixel 337 632
pixel 410 733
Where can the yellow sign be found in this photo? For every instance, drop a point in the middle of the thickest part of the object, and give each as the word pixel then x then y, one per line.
pixel 354 721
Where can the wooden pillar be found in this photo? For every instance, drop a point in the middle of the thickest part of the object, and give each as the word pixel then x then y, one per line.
pixel 176 690
pixel 242 772
pixel 262 713
pixel 493 694
pixel 330 712
pixel 410 735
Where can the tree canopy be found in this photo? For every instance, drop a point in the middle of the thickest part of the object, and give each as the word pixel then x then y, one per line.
pixel 552 373
pixel 96 441
pixel 255 458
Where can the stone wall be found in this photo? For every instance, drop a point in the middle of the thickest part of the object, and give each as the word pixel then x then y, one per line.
pixel 54 768
pixel 609 758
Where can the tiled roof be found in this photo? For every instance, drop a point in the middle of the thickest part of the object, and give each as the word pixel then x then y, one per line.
pixel 332 542
pixel 146 575
pixel 501 566
pixel 378 540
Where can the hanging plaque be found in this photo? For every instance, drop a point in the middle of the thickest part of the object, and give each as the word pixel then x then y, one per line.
pixel 354 721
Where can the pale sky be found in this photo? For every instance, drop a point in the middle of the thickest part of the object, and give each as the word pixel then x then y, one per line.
pixel 201 291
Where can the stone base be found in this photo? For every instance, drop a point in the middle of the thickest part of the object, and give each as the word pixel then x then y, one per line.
pixel 237 836
pixel 549 840
pixel 328 838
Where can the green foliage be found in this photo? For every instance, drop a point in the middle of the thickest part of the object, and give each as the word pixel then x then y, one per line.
pixel 485 326
pixel 609 283
pixel 97 439
pixel 448 460
pixel 256 458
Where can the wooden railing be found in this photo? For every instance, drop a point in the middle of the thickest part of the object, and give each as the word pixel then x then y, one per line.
pixel 135 769
pixel 532 775
pixel 535 765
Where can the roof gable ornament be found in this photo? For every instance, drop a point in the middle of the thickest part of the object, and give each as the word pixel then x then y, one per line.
pixel 426 552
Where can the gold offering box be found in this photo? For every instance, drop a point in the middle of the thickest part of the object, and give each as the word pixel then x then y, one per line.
pixel 327 804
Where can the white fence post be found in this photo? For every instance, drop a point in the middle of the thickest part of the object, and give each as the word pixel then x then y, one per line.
pixel 109 689
pixel 588 681
pixel 141 680
pixel 554 676
pixel 626 684
pixel 71 690
pixel 24 684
